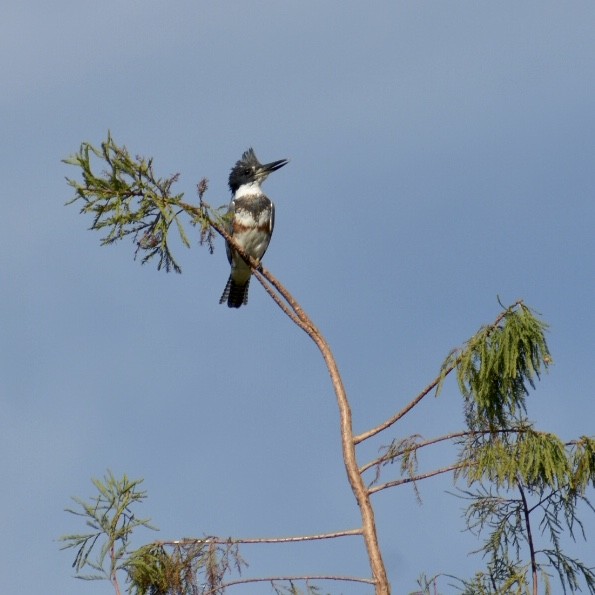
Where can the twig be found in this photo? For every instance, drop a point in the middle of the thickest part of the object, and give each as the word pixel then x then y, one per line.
pixel 387 457
pixel 292 539
pixel 113 573
pixel 415 478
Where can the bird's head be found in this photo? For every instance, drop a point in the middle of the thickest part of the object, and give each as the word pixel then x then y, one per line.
pixel 249 170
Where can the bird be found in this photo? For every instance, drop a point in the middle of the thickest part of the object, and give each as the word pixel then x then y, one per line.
pixel 251 219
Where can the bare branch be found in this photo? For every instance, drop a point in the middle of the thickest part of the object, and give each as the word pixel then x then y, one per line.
pixel 385 458
pixel 306 578
pixel 395 418
pixel 398 482
pixel 292 539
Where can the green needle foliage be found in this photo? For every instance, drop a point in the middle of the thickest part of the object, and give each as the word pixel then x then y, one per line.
pixel 186 567
pixel 127 199
pixel 497 366
pixel 110 517
pixel 527 486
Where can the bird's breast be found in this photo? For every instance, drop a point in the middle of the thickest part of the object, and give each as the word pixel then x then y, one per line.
pixel 245 219
pixel 252 231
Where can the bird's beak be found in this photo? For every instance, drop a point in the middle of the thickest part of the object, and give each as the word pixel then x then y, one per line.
pixel 275 165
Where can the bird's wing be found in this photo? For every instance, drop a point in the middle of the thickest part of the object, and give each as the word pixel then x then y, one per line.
pixel 229 227
pixel 271 226
pixel 272 219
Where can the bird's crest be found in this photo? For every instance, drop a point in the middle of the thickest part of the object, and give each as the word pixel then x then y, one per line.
pixel 248 158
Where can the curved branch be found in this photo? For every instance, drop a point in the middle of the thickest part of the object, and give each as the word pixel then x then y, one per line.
pixel 395 418
pixel 256 540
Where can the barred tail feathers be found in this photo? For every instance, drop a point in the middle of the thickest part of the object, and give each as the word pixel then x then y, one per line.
pixel 235 295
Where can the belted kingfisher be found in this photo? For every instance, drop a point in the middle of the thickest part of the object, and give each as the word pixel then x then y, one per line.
pixel 251 222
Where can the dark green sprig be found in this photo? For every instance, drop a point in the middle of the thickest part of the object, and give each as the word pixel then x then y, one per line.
pixel 498 364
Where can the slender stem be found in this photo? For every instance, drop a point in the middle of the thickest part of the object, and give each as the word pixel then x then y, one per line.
pixel 116 584
pixel 397 482
pixel 292 539
pixel 113 575
pixel 305 578
pixel 545 499
pixel 355 479
pixel 526 514
pixel 395 418
pixel 393 455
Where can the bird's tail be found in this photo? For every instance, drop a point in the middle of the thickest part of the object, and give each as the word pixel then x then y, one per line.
pixel 235 295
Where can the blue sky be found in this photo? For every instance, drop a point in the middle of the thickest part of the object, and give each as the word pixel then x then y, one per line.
pixel 441 155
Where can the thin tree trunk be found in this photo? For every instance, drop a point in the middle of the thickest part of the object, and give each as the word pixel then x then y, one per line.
pixel 529 535
pixel 355 479
pixel 295 312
